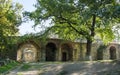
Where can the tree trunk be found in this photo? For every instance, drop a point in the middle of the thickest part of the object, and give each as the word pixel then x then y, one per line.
pixel 89 39
pixel 88 49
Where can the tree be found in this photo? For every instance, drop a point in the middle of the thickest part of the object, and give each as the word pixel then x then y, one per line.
pixel 10 19
pixel 72 19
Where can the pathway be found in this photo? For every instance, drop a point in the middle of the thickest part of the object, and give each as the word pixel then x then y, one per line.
pixel 14 71
pixel 69 68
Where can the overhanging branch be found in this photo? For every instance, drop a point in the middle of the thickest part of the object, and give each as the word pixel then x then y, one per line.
pixel 70 24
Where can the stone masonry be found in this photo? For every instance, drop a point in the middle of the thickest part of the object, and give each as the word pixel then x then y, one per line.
pixel 62 50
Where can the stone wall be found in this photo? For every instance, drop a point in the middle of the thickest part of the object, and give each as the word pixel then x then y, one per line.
pixel 62 50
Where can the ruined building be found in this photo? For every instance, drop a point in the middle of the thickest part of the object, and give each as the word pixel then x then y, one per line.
pixel 63 50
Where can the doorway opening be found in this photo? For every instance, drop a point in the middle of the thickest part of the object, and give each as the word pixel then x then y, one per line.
pixel 67 52
pixel 51 52
pixel 64 56
pixel 112 52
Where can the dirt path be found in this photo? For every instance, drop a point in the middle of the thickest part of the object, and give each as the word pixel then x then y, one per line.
pixel 70 68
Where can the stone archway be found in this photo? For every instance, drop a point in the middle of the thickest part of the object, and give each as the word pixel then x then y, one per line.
pixel 112 51
pixel 51 52
pixel 67 52
pixel 27 53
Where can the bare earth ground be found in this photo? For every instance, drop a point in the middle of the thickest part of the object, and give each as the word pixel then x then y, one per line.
pixel 70 68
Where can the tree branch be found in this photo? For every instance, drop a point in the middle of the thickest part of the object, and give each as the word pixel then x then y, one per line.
pixel 93 26
pixel 70 24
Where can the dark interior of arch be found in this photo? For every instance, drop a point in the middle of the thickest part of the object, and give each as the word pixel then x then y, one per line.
pixel 112 52
pixel 66 52
pixel 50 52
pixel 100 52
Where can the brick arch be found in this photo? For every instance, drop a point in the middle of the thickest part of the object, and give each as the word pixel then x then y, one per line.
pixel 67 52
pixel 28 52
pixel 112 50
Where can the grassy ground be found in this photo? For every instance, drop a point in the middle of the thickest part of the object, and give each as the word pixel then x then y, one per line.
pixel 7 67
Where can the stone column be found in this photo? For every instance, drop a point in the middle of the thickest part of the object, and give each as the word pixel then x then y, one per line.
pixel 43 54
pixel 38 54
pixel 117 52
pixel 59 53
pixel 74 54
pixel 19 55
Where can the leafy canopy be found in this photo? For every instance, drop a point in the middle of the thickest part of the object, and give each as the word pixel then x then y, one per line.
pixel 72 19
pixel 10 19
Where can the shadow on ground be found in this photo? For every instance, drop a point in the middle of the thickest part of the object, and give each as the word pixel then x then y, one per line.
pixel 82 68
pixel 71 68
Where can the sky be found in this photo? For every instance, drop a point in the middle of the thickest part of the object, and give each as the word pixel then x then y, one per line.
pixel 27 27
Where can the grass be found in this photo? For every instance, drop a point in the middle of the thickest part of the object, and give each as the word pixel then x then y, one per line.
pixel 25 67
pixel 7 67
pixel 28 66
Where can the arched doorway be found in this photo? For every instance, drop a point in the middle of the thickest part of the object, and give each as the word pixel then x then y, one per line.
pixel 51 52
pixel 100 52
pixel 112 52
pixel 67 52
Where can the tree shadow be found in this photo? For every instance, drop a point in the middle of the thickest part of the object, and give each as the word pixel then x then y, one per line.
pixel 82 68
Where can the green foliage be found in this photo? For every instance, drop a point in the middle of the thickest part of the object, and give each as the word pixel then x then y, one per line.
pixel 75 19
pixel 101 47
pixel 31 37
pixel 8 67
pixel 106 34
pixel 10 19
pixel 25 67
